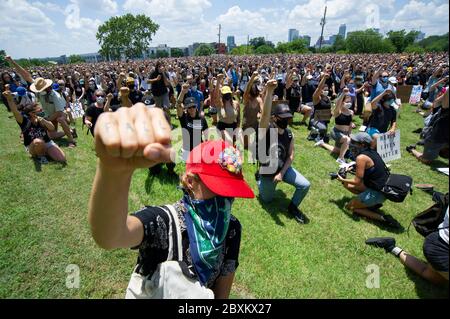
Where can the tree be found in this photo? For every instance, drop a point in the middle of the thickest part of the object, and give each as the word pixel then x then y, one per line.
pixel 401 39
pixel 265 49
pixel 3 63
pixel 129 35
pixel 242 50
pixel 368 41
pixel 295 46
pixel 176 53
pixel 204 50
pixel 339 44
pixel 73 59
pixel 435 43
pixel 415 49
pixel 257 42
pixel 162 54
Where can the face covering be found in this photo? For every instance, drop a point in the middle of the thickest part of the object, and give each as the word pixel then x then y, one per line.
pixel 347 105
pixel 384 79
pixel 388 102
pixel 100 100
pixel 355 149
pixel 43 93
pixel 207 224
pixel 194 88
pixel 227 97
pixel 92 86
pixel 282 123
pixel 131 87
pixel 325 93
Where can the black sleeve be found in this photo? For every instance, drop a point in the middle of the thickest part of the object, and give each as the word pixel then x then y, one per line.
pixel 204 124
pixel 90 112
pixel 232 247
pixel 156 228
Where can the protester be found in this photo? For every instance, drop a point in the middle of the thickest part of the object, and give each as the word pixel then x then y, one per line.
pixel 253 105
pixel 278 168
pixel 159 84
pixel 228 110
pixel 435 250
pixel 34 129
pixel 102 104
pixel 209 185
pixel 371 175
pixel 343 126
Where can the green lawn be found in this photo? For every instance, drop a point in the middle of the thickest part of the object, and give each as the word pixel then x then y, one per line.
pixel 44 228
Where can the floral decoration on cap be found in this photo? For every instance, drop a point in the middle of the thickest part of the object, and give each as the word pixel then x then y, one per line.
pixel 230 159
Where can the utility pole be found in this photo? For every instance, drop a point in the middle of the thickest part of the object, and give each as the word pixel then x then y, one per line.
pixel 322 23
pixel 220 29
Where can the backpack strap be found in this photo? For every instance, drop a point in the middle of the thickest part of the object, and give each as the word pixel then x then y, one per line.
pixel 178 247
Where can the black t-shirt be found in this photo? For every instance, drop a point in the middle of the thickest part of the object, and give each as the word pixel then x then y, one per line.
pixel 32 131
pixel 382 118
pixel 135 96
pixel 294 96
pixel 159 87
pixel 282 146
pixel 195 127
pixel 376 176
pixel 93 112
pixel 154 248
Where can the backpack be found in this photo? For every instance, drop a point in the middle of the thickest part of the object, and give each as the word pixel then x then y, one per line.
pixel 397 187
pixel 172 279
pixel 428 221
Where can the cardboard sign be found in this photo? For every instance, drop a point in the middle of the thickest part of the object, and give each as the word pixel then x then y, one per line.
pixel 388 146
pixel 416 93
pixel 404 92
pixel 77 110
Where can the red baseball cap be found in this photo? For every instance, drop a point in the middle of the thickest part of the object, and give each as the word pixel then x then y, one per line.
pixel 219 166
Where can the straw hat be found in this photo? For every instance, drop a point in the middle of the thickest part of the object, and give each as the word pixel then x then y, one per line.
pixel 39 85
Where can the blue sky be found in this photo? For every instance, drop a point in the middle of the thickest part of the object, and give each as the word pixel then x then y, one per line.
pixel 41 28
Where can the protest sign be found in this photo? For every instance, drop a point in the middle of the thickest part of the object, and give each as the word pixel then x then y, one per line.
pixel 416 93
pixel 77 110
pixel 388 146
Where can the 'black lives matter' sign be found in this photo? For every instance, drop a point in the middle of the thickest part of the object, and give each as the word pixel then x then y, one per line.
pixel 388 146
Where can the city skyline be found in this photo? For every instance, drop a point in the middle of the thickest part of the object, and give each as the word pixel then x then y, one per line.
pixel 25 25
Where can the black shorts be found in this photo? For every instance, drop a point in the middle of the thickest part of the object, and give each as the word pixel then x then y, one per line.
pixel 222 126
pixel 435 250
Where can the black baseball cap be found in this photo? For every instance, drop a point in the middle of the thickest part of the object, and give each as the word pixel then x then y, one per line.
pixel 282 111
pixel 189 102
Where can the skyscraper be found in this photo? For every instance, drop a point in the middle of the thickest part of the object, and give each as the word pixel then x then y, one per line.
pixel 342 30
pixel 293 34
pixel 230 43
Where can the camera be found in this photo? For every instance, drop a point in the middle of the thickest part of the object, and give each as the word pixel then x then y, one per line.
pixel 342 173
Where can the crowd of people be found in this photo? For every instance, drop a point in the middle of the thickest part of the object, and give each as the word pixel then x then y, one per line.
pixel 252 102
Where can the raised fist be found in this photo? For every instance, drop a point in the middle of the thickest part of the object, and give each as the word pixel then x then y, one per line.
pixel 130 138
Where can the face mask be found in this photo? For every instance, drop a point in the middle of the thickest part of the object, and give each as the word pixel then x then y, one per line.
pixel 92 87
pixel 325 93
pixel 388 102
pixel 194 88
pixel 384 79
pixel 355 150
pixel 81 83
pixel 207 223
pixel 347 105
pixel 43 93
pixel 227 97
pixel 282 123
pixel 100 100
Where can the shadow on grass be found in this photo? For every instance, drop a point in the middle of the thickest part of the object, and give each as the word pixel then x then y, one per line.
pixel 424 288
pixel 163 176
pixel 344 200
pixel 277 206
pixel 37 165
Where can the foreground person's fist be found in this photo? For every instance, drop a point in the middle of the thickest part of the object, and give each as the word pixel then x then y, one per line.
pixel 130 138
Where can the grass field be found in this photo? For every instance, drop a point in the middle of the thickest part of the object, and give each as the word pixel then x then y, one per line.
pixel 44 228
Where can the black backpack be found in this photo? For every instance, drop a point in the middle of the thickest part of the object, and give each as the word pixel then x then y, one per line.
pixel 397 187
pixel 429 220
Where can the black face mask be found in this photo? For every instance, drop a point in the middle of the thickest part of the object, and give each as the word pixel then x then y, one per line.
pixel 227 97
pixel 282 123
pixel 131 87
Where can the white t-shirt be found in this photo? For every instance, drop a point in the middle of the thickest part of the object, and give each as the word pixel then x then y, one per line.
pixel 444 225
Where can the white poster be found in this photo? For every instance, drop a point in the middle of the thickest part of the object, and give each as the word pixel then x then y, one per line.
pixel 416 93
pixel 77 110
pixel 388 146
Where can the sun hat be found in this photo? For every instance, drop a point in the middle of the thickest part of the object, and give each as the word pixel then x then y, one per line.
pixel 40 84
pixel 219 166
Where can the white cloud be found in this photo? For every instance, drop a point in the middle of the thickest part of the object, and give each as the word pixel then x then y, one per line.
pixel 105 6
pixel 74 21
pixel 50 6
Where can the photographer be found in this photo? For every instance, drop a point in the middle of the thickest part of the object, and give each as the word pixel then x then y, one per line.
pixel 277 121
pixel 371 175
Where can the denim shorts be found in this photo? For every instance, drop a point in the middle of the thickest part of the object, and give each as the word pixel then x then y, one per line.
pixel 371 197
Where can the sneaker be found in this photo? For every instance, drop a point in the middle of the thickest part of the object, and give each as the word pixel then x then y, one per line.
pixel 410 148
pixel 72 145
pixel 388 243
pixel 297 214
pixel 42 160
pixel 391 222
pixel 341 161
pixel 319 143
